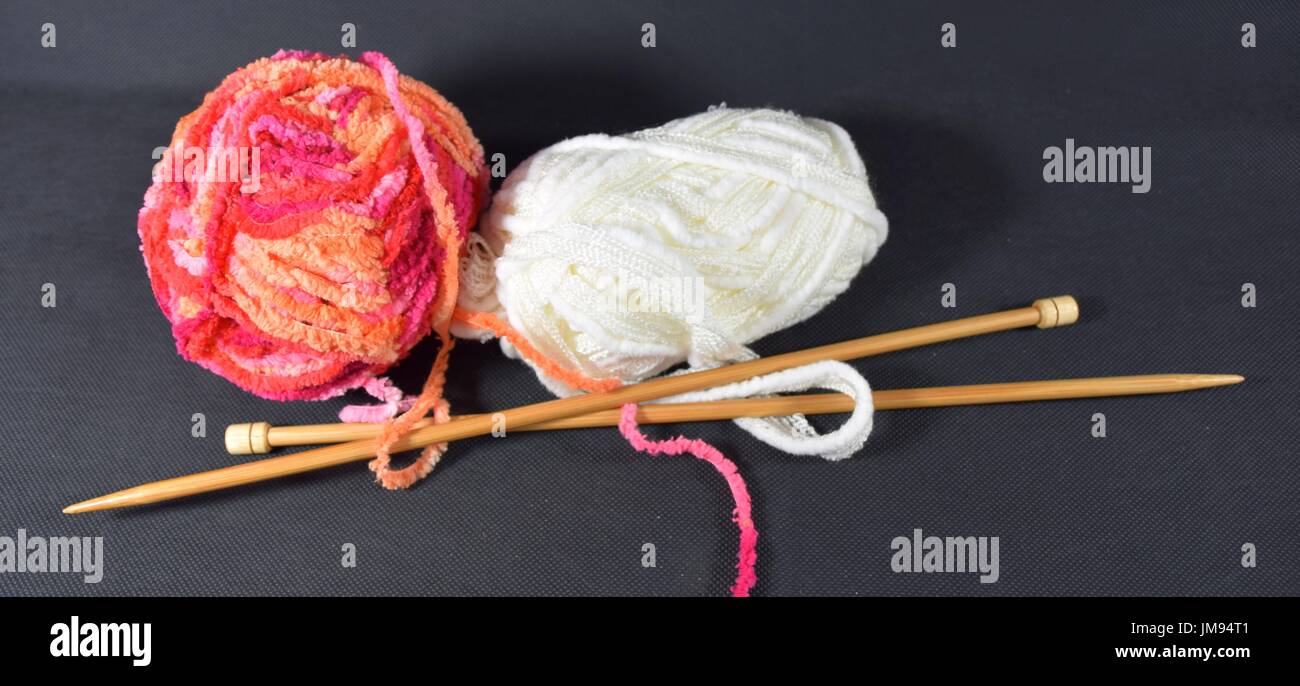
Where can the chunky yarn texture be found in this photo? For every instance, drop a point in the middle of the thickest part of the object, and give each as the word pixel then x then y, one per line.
pixel 614 258
pixel 343 254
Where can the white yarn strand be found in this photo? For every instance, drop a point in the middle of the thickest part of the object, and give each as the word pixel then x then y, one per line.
pixel 794 434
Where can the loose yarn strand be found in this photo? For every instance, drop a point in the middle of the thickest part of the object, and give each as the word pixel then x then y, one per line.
pixel 448 234
pixel 747 554
pixel 499 328
pixel 793 434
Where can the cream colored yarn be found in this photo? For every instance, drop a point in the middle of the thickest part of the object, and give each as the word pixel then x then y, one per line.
pixel 622 256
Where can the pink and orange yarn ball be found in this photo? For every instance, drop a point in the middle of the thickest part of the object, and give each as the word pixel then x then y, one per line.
pixel 338 248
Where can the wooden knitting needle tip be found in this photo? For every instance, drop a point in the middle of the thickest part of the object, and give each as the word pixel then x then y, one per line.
pixel 685 412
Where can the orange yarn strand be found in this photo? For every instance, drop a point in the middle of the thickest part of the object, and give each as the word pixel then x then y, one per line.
pixel 575 379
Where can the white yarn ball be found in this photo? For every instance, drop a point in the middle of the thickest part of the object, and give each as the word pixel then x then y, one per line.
pixel 755 219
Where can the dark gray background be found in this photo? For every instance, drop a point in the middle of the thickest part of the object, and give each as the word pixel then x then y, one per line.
pixel 93 397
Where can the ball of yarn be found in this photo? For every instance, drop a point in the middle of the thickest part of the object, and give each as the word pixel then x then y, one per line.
pixel 322 260
pixel 618 257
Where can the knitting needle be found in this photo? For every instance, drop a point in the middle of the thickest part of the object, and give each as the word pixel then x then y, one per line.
pixel 265 437
pixel 1043 313
pixel 944 396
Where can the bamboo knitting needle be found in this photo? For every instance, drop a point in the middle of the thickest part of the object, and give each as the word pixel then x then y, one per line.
pixel 266 437
pixel 944 396
pixel 1044 313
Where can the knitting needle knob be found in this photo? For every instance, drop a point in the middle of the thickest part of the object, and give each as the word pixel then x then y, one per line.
pixel 248 438
pixel 1062 310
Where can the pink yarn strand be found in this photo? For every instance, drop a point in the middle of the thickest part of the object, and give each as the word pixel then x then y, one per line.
pixel 392 403
pixel 747 555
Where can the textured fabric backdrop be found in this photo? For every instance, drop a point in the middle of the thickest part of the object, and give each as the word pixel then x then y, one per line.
pixel 95 399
